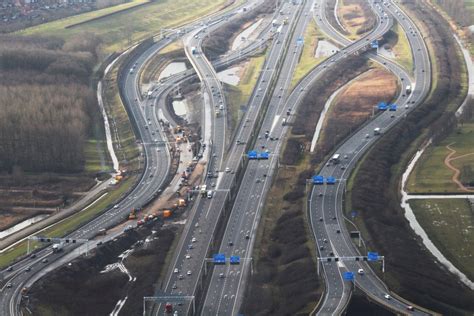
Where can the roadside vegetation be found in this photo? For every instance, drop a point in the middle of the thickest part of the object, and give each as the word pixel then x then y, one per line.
pixel 219 42
pixel 238 96
pixel 396 42
pixel 449 224
pixel 356 16
pixel 374 192
pixel 308 59
pixel 285 282
pixel 122 29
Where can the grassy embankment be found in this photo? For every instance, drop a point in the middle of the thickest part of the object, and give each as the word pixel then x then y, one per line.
pixel 308 60
pixel 402 49
pixel 121 29
pixel 240 94
pixel 449 224
pixel 356 17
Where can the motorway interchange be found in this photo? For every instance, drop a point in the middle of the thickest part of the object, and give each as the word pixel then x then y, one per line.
pixel 241 184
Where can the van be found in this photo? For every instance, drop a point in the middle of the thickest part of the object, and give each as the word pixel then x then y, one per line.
pixel 209 194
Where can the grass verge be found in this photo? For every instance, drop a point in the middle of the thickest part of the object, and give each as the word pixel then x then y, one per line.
pixel 308 60
pixel 72 223
pixel 402 49
pixel 450 225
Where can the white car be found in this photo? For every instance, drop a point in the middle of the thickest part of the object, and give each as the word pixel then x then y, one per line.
pixel 360 271
pixel 227 169
pixel 387 296
pixel 116 206
pixel 189 272
pixel 188 256
pixel 176 270
pixel 193 239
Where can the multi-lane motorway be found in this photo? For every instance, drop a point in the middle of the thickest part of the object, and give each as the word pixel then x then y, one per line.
pixel 326 202
pixel 226 161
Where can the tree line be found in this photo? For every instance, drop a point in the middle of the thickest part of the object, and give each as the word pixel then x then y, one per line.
pixel 45 102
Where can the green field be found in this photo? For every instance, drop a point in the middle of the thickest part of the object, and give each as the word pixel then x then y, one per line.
pixel 307 60
pixel 431 174
pixel 121 29
pixel 449 224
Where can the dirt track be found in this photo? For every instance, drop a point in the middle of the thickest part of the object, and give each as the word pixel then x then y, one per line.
pixel 447 162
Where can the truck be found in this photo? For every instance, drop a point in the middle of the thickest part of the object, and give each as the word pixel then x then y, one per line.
pixel 193 50
pixel 57 247
pixel 377 131
pixel 204 190
pixel 335 158
pixel 408 89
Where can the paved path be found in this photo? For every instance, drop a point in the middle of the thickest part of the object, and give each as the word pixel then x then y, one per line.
pixel 447 162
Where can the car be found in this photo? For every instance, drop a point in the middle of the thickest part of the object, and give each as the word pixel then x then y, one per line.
pixel 387 296
pixel 325 240
pixel 28 269
pixel 190 246
pixel 334 218
pixel 9 285
pixel 221 276
pixel 10 268
pixel 180 277
pixel 320 193
pixel 410 308
pixel 213 184
pixel 174 286
pixel 331 254
pixel 176 270
pixel 227 169
pixel 321 247
pixel 189 272
pixel 188 256
pixel 44 260
pixel 230 243
pixel 343 167
pixel 33 256
pixel 116 206
pixel 320 219
pixel 338 231
pixel 193 239
pixel 360 271
pixel 247 236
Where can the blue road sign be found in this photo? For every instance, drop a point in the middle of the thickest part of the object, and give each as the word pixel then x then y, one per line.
pixel 348 276
pixel 382 106
pixel 218 258
pixel 372 256
pixel 318 179
pixel 330 180
pixel 234 260
pixel 353 213
pixel 252 154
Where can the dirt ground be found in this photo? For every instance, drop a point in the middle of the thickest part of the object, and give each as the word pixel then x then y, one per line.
pixel 79 289
pixel 355 103
pixel 25 196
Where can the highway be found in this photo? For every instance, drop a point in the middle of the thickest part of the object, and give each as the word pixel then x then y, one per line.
pixel 189 262
pixel 326 202
pixel 156 160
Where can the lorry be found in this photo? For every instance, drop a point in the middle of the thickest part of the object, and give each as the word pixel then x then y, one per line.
pixel 335 158
pixel 377 131
pixel 57 247
pixel 408 89
pixel 204 190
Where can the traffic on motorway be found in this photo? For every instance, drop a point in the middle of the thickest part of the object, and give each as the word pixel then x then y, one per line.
pixel 224 219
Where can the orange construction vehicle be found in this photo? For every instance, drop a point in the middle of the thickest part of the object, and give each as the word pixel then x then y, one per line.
pixel 133 214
